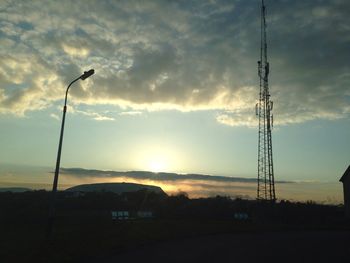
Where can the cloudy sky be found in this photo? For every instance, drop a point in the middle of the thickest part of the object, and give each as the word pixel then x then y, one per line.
pixel 175 85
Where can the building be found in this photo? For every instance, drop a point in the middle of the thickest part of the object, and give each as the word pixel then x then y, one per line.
pixel 144 214
pixel 345 179
pixel 120 215
pixel 131 215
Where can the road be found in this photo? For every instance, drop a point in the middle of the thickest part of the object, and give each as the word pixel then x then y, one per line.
pixel 310 246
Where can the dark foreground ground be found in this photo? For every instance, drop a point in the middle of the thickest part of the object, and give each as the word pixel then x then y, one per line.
pixel 301 246
pixel 172 241
pixel 182 230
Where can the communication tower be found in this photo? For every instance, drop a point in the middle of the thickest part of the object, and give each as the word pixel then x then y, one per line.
pixel 266 181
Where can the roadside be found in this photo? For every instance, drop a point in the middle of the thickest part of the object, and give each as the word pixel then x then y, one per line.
pixel 300 246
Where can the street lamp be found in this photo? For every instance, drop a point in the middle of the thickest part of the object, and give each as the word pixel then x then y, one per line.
pixel 55 180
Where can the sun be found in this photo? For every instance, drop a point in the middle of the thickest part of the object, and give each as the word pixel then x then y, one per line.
pixel 157 165
pixel 156 157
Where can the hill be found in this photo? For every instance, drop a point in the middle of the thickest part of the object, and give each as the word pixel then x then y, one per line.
pixel 15 189
pixel 114 188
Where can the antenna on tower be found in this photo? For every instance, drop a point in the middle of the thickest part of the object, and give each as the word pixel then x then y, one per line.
pixel 266 181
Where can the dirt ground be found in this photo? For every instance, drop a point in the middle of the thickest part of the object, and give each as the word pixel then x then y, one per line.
pixel 305 246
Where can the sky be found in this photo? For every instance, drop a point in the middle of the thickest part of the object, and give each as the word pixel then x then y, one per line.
pixel 174 89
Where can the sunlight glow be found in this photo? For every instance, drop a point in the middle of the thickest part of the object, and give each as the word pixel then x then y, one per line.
pixel 157 165
pixel 157 158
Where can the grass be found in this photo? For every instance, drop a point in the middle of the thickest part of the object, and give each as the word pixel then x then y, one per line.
pixel 85 232
pixel 77 240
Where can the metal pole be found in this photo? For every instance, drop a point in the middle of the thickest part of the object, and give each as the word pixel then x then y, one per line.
pixel 58 161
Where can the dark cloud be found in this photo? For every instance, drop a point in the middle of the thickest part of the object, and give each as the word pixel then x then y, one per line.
pixel 185 55
pixel 144 175
pixel 310 55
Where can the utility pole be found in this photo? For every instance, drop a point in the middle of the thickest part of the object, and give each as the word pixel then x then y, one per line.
pixel 266 181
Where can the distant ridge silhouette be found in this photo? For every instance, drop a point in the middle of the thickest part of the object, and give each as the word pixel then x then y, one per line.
pixel 15 189
pixel 115 188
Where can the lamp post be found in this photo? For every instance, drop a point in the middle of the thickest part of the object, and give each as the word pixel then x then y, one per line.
pixel 55 180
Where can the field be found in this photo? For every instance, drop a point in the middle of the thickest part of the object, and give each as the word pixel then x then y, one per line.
pixel 201 229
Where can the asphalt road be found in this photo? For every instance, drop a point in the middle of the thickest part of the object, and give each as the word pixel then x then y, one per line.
pixel 311 246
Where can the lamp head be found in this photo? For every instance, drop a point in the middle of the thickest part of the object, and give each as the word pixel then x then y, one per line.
pixel 87 74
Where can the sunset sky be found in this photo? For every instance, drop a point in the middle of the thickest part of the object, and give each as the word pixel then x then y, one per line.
pixel 175 87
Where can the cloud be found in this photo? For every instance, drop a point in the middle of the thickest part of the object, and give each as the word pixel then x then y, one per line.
pixel 94 115
pixel 199 185
pixel 183 55
pixel 75 51
pixel 237 119
pixel 54 116
pixel 79 172
pixel 130 113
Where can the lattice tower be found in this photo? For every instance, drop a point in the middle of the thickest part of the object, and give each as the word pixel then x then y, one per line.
pixel 266 181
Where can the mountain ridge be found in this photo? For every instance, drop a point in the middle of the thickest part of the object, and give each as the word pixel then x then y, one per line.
pixel 115 188
pixel 15 189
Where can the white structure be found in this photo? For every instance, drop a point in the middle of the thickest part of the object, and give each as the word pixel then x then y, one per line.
pixel 241 216
pixel 144 214
pixel 120 215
